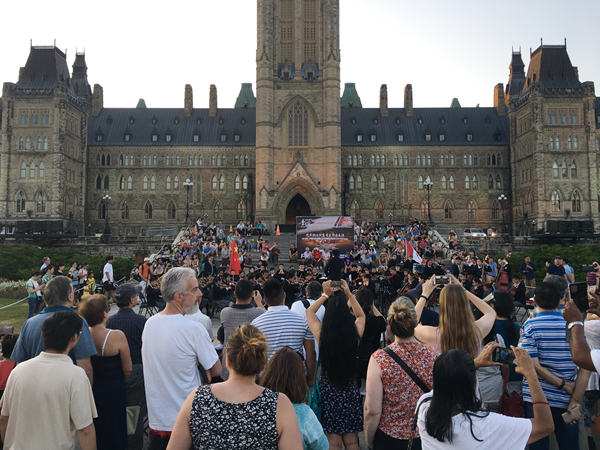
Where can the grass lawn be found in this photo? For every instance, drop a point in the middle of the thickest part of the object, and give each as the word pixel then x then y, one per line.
pixel 13 316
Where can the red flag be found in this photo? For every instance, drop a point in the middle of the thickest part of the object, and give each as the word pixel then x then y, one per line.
pixel 234 262
pixel 411 251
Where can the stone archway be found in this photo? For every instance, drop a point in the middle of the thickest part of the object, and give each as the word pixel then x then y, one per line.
pixel 297 188
pixel 298 206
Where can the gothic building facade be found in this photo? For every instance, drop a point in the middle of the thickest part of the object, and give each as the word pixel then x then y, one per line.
pixel 299 147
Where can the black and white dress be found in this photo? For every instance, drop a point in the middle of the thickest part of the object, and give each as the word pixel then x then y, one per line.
pixel 216 424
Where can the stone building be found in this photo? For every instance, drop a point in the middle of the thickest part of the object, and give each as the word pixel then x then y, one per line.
pixel 300 147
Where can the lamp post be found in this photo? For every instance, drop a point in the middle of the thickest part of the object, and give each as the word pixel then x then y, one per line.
pixel 107 198
pixel 188 185
pixel 428 184
pixel 502 199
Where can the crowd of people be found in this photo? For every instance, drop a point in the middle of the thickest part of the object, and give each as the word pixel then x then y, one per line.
pixel 400 340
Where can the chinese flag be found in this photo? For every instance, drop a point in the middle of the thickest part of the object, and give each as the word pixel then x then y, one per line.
pixel 234 262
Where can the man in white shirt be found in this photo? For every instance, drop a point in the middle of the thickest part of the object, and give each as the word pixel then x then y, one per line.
pixel 108 278
pixel 194 313
pixel 48 399
pixel 172 349
pixel 313 292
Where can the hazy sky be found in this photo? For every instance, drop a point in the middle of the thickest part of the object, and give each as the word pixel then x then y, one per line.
pixel 445 48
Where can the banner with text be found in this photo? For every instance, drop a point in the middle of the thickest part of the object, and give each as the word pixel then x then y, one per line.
pixel 327 232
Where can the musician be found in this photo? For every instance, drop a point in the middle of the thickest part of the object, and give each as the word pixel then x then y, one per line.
pixel 518 290
pixel 209 268
pixel 396 279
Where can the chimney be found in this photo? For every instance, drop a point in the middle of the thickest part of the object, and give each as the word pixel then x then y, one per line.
pixel 383 101
pixel 499 102
pixel 408 100
pixel 188 101
pixel 212 101
pixel 576 69
pixel 97 100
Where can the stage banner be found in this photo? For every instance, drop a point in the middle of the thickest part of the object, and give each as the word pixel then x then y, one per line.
pixel 327 232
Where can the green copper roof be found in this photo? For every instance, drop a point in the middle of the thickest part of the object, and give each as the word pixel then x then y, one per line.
pixel 455 103
pixel 246 98
pixel 350 98
pixel 141 104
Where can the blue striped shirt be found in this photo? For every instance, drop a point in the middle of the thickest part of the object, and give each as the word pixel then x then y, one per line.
pixel 283 328
pixel 544 337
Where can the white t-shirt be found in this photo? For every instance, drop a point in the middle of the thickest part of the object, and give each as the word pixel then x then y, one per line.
pixel 108 268
pixel 298 308
pixel 596 359
pixel 495 431
pixel 202 318
pixel 172 348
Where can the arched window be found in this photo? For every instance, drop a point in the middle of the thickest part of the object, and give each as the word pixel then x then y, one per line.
pixel 569 143
pixel 214 183
pixel 171 211
pixel 405 158
pixel 355 160
pixel 372 160
pixel 106 184
pixel 222 183
pixel 103 160
pixel 27 143
pixel 120 160
pixel 21 200
pixel 238 183
pixel 493 160
pixel 576 202
pixel 573 170
pixel 241 210
pixel 442 160
pixel 122 183
pixel 21 145
pixel 451 183
pixel 418 160
pixel 451 160
pixel 381 183
pixel 378 160
pixel 495 209
pixel 236 160
pixel 351 182
pixel 555 169
pixel 148 210
pixel 498 182
pixel 444 183
pixel 420 182
pixel 32 170
pixel 355 210
pixel 564 170
pixel 383 160
pixel 551 143
pixel 145 183
pixel 153 183
pixel 467 183
pixel 448 210
pixel 218 210
pixel 39 144
pixel 475 183
pixel 169 183
pixel 41 171
pixel 555 201
pixel 176 183
pixel 374 183
pixel 129 183
pixel 557 143
pixel 98 182
pixel 102 210
pixel 40 202
pixel 499 160
pixel 246 161
pixel 378 210
pixel 471 210
pixel 429 160
pixel 245 183
pixel 298 126
pixel 350 160
pixel 97 160
pixel 124 211
pixel 575 143
pixel 23 170
pixel 359 183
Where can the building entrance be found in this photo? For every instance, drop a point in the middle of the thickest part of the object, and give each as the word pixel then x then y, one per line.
pixel 298 206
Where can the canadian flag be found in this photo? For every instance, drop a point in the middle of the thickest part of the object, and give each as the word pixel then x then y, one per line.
pixel 411 251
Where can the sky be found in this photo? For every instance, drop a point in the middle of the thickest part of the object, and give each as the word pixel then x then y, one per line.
pixel 444 48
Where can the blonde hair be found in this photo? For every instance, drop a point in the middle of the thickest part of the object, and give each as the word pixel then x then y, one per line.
pixel 246 350
pixel 402 318
pixel 457 324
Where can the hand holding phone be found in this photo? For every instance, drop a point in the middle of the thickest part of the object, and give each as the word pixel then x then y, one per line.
pixel 572 415
pixel 503 355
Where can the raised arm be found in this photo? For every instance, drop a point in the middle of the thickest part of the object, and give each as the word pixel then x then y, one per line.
pixel 359 314
pixel 486 322
pixel 311 312
pixel 427 289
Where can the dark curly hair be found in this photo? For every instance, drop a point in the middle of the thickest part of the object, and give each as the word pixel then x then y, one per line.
pixel 338 343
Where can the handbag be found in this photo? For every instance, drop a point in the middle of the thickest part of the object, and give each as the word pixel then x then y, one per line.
pixel 417 381
pixel 510 404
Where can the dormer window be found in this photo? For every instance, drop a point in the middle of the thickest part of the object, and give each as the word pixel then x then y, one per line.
pixel 196 138
pixel 131 120
pixel 223 137
pixel 236 137
pixel 469 137
pixel 353 121
pixel 243 121
pixel 168 137
pixel 465 120
pixel 442 137
pixel 154 137
pixel 420 121
pixel 428 136
pixel 176 121
pixel 443 120
pixel 397 120
pixel 198 121
pixel 99 137
pixel 373 137
pixel 400 137
pixel 127 137
pixel 359 137
pixel 221 121
pixel 375 121
pixel 109 120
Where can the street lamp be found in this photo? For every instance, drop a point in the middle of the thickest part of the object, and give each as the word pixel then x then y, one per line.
pixel 502 199
pixel 428 184
pixel 187 184
pixel 107 198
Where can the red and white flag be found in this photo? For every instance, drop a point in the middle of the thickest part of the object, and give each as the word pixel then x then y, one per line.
pixel 411 251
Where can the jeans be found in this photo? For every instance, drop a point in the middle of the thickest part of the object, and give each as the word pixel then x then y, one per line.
pixel 567 436
pixel 33 307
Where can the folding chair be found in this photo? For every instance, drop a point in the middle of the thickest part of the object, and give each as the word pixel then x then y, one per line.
pixel 147 308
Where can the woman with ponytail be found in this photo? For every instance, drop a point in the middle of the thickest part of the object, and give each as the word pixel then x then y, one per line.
pixel 392 392
pixel 238 413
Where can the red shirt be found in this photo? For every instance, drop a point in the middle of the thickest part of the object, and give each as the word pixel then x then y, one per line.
pixel 6 368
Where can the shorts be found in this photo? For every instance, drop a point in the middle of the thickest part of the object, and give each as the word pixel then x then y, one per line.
pixel 108 286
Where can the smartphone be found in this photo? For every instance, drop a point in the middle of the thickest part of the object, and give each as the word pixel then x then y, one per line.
pixel 579 295
pixel 572 415
pixel 336 285
pixel 503 355
pixel 441 280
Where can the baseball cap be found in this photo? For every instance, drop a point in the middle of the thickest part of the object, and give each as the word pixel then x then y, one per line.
pixel 126 292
